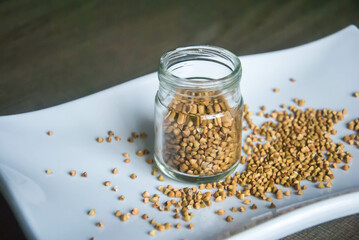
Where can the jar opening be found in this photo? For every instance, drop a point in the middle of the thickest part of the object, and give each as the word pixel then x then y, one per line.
pixel 202 68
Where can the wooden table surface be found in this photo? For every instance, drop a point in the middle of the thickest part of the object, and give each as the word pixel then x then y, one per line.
pixel 52 52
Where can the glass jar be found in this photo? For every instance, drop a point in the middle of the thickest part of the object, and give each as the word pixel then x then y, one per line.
pixel 198 114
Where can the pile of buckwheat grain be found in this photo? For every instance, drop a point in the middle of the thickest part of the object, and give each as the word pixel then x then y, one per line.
pixel 292 146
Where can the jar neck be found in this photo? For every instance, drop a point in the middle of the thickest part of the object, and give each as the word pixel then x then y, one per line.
pixel 199 71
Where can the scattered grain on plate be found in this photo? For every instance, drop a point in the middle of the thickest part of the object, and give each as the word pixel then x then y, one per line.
pixel 107 183
pixel 145 216
pixel 287 193
pixel 272 205
pixel 126 155
pixel 134 135
pixel 149 160
pixel 117 138
pixel 290 133
pixel 152 233
pixel 118 213
pixel 187 218
pixel 161 188
pixel 160 227
pixel 72 173
pixel 263 108
pixel 122 198
pixel 221 212
pixel 130 139
pixel 125 217
pixel 275 134
pixel 351 126
pixel 356 94
pixel 276 90
pixel 146 194
pixel 168 225
pixel 161 178
pixel 219 199
pixel 108 139
pixel 84 174
pixel 127 160
pixel 209 186
pixel 143 135
pixel 115 189
pixel 48 171
pixel 254 207
pixel 321 185
pixel 190 226
pixel 100 224
pixel 327 179
pixel 50 133
pixel 279 194
pixel 99 139
pixel 242 209
pixel 115 171
pixel 301 102
pixel 92 212
pixel 345 167
pixel 229 218
pixel 233 209
pixel 247 201
pixel 282 105
pixel 292 80
pixel 155 198
pixel 260 114
pixel 140 153
pixel 329 185
pixel 135 211
pixel 111 133
pixel 153 221
pixel 133 176
pixel 178 225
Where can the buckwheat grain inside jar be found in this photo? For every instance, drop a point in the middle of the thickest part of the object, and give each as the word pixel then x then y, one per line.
pixel 198 114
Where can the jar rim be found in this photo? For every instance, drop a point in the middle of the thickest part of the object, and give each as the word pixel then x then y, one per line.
pixel 196 51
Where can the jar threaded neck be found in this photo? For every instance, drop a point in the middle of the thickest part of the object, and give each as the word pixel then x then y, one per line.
pixel 199 68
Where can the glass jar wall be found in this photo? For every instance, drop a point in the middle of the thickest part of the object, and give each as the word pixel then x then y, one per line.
pixel 198 114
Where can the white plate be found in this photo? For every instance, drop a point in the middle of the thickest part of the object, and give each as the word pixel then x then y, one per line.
pixel 55 206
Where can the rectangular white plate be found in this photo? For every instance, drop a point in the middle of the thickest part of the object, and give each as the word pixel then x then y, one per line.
pixel 55 206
